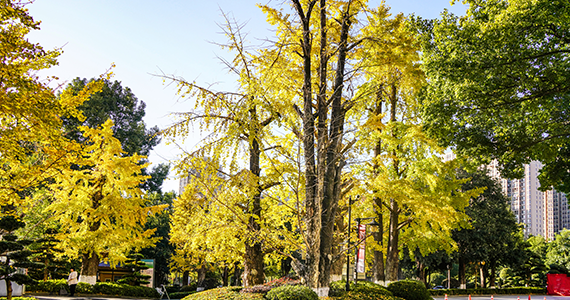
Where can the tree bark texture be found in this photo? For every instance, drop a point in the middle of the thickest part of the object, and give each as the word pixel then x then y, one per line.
pixel 378 265
pixel 392 253
pixel 89 268
pixel 90 260
pixel 461 275
pixel 253 273
pixel 323 162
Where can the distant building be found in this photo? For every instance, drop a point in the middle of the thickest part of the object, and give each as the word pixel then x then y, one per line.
pixel 527 202
pixel 542 213
pixel 557 213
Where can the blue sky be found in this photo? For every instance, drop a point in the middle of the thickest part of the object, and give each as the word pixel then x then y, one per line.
pixel 149 37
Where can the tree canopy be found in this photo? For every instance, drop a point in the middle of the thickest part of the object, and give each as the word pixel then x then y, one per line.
pixel 31 144
pixel 498 84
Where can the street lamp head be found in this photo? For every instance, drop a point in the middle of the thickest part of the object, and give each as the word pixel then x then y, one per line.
pixel 374 223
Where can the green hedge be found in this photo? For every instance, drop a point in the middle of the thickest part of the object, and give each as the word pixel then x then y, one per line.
pixel 107 288
pixel 409 290
pixel 225 293
pixel 359 295
pixel 292 292
pixel 110 288
pixel 503 291
pixel 338 288
pixel 179 295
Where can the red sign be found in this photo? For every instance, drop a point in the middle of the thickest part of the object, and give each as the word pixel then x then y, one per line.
pixel 361 256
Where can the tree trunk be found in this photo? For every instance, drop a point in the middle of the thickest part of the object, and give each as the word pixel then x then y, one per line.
pixel 201 275
pixel 8 289
pixel 236 277
pixel 253 263
pixel 392 254
pixel 90 260
pixel 225 276
pixel 482 275
pixel 253 273
pixel 46 271
pixel 323 164
pixel 461 275
pixel 493 275
pixel 89 268
pixel 185 276
pixel 378 265
pixel 421 272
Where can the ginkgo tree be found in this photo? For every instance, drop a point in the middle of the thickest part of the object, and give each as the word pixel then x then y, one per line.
pixel 313 55
pixel 232 208
pixel 31 141
pixel 414 194
pixel 99 203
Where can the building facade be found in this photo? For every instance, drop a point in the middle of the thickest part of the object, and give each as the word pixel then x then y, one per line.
pixel 542 213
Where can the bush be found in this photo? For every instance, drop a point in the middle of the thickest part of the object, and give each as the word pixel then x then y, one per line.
pixel 110 288
pixel 359 295
pixel 292 292
pixel 191 287
pixel 409 290
pixel 179 295
pixel 225 293
pixel 84 288
pixel 338 288
pixel 107 288
pixel 49 286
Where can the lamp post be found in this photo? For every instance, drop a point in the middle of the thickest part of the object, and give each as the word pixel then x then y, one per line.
pixel 358 220
pixel 347 287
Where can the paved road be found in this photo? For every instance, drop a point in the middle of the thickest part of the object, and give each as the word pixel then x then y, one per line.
pixel 504 297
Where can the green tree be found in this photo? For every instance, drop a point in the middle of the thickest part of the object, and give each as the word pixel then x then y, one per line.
pixel 136 265
pixel 163 250
pixel 558 251
pixel 13 250
pixel 493 234
pixel 119 104
pixel 498 84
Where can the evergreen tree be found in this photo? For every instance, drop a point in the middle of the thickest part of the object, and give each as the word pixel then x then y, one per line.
pixel 135 263
pixel 16 254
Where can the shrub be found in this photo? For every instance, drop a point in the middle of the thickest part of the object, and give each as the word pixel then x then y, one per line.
pixel 84 288
pixel 338 288
pixel 225 293
pixel 360 295
pixel 110 288
pixel 409 290
pixel 191 287
pixel 49 286
pixel 258 289
pixel 292 292
pixel 180 295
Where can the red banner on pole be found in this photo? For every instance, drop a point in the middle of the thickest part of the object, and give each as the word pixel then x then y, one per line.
pixel 360 258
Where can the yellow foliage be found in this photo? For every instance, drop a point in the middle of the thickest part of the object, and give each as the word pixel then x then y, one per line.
pixel 98 202
pixel 31 141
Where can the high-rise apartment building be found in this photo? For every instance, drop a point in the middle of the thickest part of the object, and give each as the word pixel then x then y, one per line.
pixel 557 213
pixel 527 202
pixel 542 213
